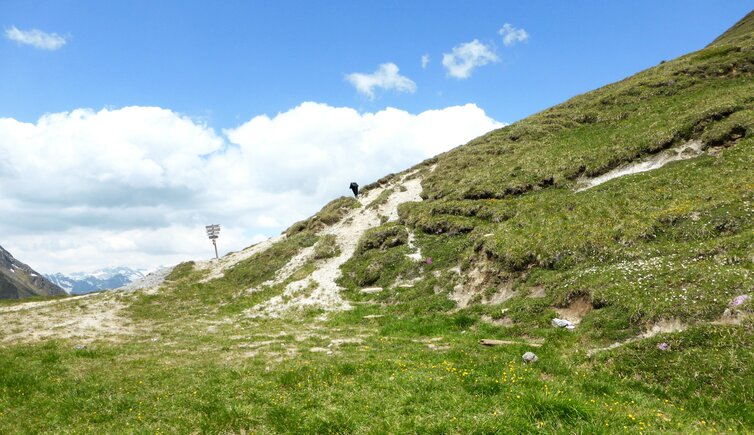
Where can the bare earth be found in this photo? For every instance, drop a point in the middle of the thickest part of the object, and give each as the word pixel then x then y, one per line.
pixel 83 318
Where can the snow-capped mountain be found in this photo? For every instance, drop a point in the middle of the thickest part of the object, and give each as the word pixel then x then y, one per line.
pixel 104 279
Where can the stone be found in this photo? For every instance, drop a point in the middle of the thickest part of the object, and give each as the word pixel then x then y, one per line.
pixel 529 357
pixel 371 290
pixel 562 323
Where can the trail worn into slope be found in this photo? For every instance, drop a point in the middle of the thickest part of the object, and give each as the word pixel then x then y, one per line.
pixel 686 151
pixel 320 289
pixel 84 318
pixel 417 254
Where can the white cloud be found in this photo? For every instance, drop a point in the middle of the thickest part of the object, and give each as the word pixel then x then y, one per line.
pixel 425 61
pixel 465 57
pixel 386 77
pixel 135 186
pixel 512 35
pixel 35 38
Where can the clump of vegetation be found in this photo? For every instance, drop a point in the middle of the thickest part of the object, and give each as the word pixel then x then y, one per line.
pixel 262 266
pixel 327 247
pixel 738 125
pixel 180 271
pixel 383 237
pixel 381 199
pixel 377 267
pixel 413 215
pixel 381 182
pixel 331 213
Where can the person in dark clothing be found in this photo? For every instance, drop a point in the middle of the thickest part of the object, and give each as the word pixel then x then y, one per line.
pixel 355 187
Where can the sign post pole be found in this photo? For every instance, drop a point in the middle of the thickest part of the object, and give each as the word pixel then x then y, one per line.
pixel 213 232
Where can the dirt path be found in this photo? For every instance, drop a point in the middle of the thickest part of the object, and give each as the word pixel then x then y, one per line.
pixel 320 289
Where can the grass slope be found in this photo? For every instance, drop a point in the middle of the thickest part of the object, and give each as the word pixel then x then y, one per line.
pixel 502 223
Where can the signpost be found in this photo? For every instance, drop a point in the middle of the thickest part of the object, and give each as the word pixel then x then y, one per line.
pixel 213 232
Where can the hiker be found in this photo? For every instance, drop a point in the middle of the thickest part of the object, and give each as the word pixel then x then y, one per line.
pixel 355 187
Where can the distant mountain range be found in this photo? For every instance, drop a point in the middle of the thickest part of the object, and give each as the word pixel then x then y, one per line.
pixel 17 280
pixel 87 282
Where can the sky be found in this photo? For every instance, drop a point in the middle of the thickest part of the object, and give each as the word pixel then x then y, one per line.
pixel 126 126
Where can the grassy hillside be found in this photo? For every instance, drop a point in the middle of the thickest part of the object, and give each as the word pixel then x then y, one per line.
pixel 739 33
pixel 656 269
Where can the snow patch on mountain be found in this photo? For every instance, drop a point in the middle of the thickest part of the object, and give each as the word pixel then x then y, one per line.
pixel 102 279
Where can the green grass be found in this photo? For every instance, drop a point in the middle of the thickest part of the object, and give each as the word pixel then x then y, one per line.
pixel 326 247
pixel 739 33
pixel 381 199
pixel 330 213
pixel 391 381
pixel 7 302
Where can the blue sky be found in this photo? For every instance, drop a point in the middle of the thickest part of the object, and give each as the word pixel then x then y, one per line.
pixel 125 127
pixel 228 61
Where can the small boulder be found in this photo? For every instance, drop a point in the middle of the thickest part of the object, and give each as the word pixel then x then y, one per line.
pixel 529 357
pixel 371 290
pixel 562 323
pixel 80 347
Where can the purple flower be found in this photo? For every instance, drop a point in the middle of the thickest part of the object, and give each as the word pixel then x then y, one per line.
pixel 663 346
pixel 429 260
pixel 739 300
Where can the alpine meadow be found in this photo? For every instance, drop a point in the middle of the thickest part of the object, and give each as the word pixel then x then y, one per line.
pixel 588 269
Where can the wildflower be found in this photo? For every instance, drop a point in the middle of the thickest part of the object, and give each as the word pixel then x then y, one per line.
pixel 663 346
pixel 429 260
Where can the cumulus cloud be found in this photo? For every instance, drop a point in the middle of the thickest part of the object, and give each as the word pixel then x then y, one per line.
pixel 464 58
pixel 386 77
pixel 35 38
pixel 425 61
pixel 135 186
pixel 512 35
